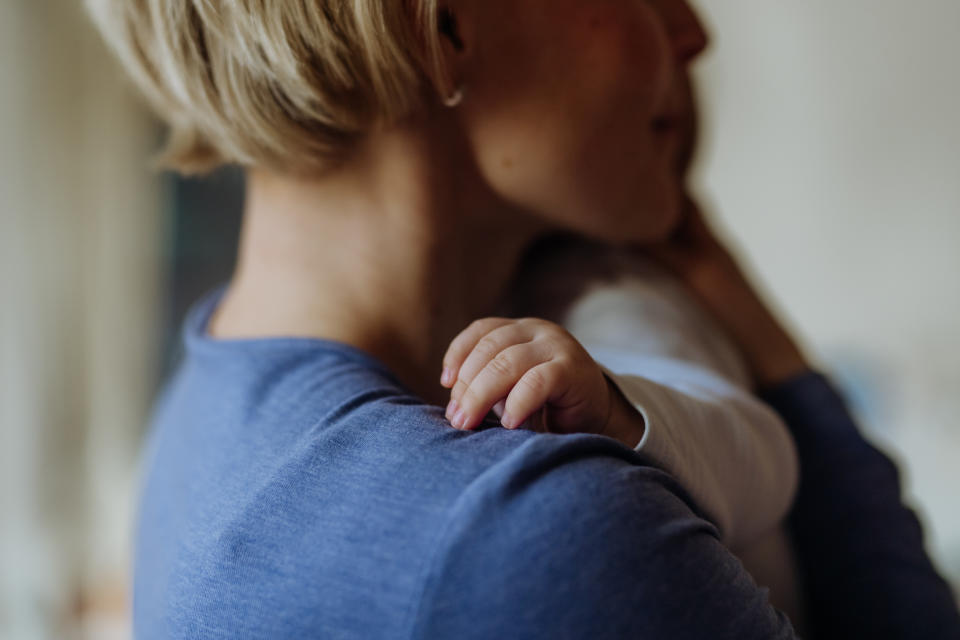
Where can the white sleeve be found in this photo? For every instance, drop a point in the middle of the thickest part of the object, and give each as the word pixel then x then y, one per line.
pixel 728 449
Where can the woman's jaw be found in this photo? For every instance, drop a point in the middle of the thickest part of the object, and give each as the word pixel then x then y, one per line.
pixel 575 111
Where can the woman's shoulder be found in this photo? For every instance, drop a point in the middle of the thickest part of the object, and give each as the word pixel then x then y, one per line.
pixel 563 531
pixel 325 467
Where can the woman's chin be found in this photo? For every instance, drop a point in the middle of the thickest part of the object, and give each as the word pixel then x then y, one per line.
pixel 670 223
pixel 658 222
pixel 648 216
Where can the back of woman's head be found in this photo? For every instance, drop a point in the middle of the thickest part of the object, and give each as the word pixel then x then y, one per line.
pixel 288 85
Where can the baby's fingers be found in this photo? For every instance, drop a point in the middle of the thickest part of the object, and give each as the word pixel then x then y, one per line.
pixel 464 343
pixel 488 348
pixel 493 383
pixel 533 390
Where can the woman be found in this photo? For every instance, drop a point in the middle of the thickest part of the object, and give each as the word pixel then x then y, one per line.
pixel 401 157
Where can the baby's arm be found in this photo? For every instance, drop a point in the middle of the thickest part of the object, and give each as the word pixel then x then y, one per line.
pixel 726 448
pixel 637 319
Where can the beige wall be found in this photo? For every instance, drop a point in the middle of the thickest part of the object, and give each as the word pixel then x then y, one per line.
pixel 79 244
pixel 833 155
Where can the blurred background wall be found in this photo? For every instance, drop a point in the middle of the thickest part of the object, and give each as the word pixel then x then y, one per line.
pixel 80 242
pixel 831 156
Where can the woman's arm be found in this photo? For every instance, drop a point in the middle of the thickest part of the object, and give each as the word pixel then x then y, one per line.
pixel 713 276
pixel 861 550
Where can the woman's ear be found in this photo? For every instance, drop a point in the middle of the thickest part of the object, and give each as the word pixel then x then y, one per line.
pixel 450 29
pixel 455 26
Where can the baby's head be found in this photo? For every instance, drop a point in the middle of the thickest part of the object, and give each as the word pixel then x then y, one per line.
pixel 569 107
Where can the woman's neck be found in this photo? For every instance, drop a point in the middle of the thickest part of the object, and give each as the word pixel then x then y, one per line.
pixel 394 254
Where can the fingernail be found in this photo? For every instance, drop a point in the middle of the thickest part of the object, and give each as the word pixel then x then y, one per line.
pixel 451 408
pixel 460 419
pixel 446 376
pixel 507 420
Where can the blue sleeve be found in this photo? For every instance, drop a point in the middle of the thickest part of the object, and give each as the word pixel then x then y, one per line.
pixel 572 542
pixel 860 549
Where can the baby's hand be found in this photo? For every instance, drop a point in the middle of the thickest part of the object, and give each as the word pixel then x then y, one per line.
pixel 533 364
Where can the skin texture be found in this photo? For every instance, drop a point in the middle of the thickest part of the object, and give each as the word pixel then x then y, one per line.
pixel 421 229
pixel 530 362
pixel 566 125
pixel 533 364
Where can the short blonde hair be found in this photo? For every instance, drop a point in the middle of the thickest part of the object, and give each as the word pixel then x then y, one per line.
pixel 286 84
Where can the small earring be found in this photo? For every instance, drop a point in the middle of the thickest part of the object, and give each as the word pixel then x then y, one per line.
pixel 455 99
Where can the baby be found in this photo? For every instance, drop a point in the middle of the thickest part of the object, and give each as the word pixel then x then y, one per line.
pixel 611 343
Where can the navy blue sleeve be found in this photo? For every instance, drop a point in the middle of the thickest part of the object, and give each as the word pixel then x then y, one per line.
pixel 860 549
pixel 568 541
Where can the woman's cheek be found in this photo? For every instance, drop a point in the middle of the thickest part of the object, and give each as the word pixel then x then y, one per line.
pixel 527 155
pixel 561 125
